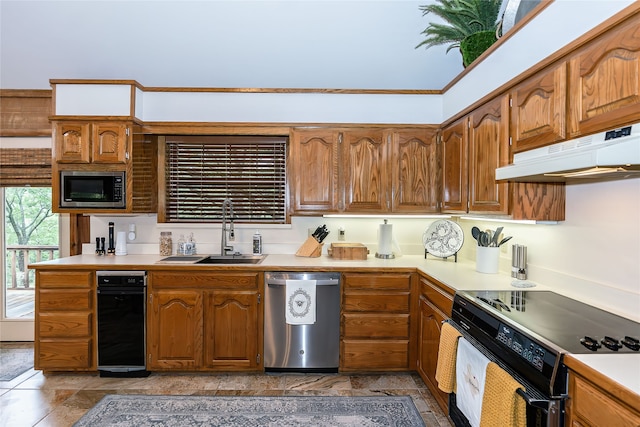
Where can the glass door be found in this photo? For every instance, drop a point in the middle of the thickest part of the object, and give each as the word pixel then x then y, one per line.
pixel 30 234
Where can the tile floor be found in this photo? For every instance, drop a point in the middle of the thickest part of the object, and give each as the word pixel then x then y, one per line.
pixel 34 399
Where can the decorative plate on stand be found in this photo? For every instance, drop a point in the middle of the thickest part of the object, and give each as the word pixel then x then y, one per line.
pixel 443 238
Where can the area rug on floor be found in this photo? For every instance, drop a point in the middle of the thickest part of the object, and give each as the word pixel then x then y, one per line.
pixel 236 411
pixel 14 361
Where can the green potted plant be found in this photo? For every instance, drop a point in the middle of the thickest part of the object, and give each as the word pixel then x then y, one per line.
pixel 470 25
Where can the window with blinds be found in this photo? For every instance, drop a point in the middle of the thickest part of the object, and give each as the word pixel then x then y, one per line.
pixel 202 171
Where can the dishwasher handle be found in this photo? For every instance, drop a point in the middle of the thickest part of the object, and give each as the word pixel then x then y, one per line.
pixel 321 282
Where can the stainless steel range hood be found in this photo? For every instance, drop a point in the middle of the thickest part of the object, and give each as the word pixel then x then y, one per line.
pixel 614 154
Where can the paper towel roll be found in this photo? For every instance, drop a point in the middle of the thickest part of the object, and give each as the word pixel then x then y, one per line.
pixel 121 243
pixel 385 241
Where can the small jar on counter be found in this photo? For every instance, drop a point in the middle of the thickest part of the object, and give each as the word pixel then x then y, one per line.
pixel 166 243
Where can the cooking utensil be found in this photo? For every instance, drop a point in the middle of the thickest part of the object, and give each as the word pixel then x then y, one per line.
pixel 489 234
pixel 475 232
pixel 505 240
pixel 483 239
pixel 496 236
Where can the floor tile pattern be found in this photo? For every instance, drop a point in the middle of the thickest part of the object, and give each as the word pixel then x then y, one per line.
pixel 59 400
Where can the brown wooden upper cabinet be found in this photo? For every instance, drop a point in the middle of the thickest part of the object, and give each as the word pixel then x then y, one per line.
pixel 454 150
pixel 604 89
pixel 87 142
pixel 414 171
pixel 538 109
pixel 471 149
pixel 365 170
pixel 370 170
pixel 488 150
pixel 313 177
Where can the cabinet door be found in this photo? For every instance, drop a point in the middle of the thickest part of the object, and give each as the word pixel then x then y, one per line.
pixel 110 142
pixel 231 327
pixel 605 81
pixel 72 143
pixel 454 152
pixel 175 329
pixel 538 115
pixel 488 150
pixel 591 405
pixel 429 340
pixel 364 170
pixel 414 170
pixel 314 176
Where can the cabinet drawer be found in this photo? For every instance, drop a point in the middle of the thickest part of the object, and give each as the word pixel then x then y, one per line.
pixel 376 325
pixel 218 280
pixel 376 301
pixel 50 300
pixel 64 354
pixel 375 354
pixel 379 282
pixel 64 324
pixel 66 279
pixel 590 403
pixel 438 297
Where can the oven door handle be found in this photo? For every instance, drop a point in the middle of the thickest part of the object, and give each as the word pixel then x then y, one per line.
pixel 538 403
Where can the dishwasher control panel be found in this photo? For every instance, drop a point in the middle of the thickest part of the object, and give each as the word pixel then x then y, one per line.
pixel 121 278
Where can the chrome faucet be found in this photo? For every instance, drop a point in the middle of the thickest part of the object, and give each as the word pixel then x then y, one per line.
pixel 227 210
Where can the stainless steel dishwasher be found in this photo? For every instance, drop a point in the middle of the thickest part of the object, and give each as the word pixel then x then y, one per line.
pixel 302 348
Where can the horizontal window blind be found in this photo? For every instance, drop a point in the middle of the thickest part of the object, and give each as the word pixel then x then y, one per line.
pixel 202 172
pixel 25 166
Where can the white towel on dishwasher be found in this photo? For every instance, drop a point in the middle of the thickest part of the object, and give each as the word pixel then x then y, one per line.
pixel 300 307
pixel 471 371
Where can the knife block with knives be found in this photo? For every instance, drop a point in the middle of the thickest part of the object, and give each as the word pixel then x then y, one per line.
pixel 312 247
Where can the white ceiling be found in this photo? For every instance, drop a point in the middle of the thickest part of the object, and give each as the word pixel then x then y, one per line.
pixel 347 44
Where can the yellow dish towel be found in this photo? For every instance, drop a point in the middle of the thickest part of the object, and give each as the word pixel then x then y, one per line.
pixel 447 350
pixel 501 405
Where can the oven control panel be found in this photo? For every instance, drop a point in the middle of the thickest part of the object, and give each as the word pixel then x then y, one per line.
pixel 522 346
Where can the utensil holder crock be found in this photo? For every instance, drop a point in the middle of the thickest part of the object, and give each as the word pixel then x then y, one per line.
pixel 487 259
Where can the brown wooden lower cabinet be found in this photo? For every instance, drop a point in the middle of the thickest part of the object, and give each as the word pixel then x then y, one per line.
pixel 212 322
pixel 375 354
pixel 62 354
pixel 64 321
pixel 174 329
pixel 435 307
pixel 231 335
pixel 596 401
pixel 376 322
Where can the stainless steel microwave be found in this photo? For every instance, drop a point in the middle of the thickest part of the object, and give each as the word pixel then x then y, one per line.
pixel 95 190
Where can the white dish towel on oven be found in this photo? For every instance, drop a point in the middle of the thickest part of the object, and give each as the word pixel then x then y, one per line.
pixel 300 307
pixel 471 371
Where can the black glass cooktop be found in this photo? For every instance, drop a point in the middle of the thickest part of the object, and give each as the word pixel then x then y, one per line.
pixel 572 325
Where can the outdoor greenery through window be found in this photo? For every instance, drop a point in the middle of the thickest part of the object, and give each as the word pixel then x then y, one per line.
pixel 203 171
pixel 31 235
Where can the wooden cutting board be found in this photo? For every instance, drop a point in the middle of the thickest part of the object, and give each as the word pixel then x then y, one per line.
pixel 348 251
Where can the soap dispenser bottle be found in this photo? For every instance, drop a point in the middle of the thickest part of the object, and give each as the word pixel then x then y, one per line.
pixel 257 243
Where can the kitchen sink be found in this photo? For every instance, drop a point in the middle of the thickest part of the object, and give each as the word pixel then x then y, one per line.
pixel 212 259
pixel 231 259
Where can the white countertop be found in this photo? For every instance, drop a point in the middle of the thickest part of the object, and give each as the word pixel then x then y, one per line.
pixel 622 368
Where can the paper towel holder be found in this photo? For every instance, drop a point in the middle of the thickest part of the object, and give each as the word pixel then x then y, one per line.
pixel 390 255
